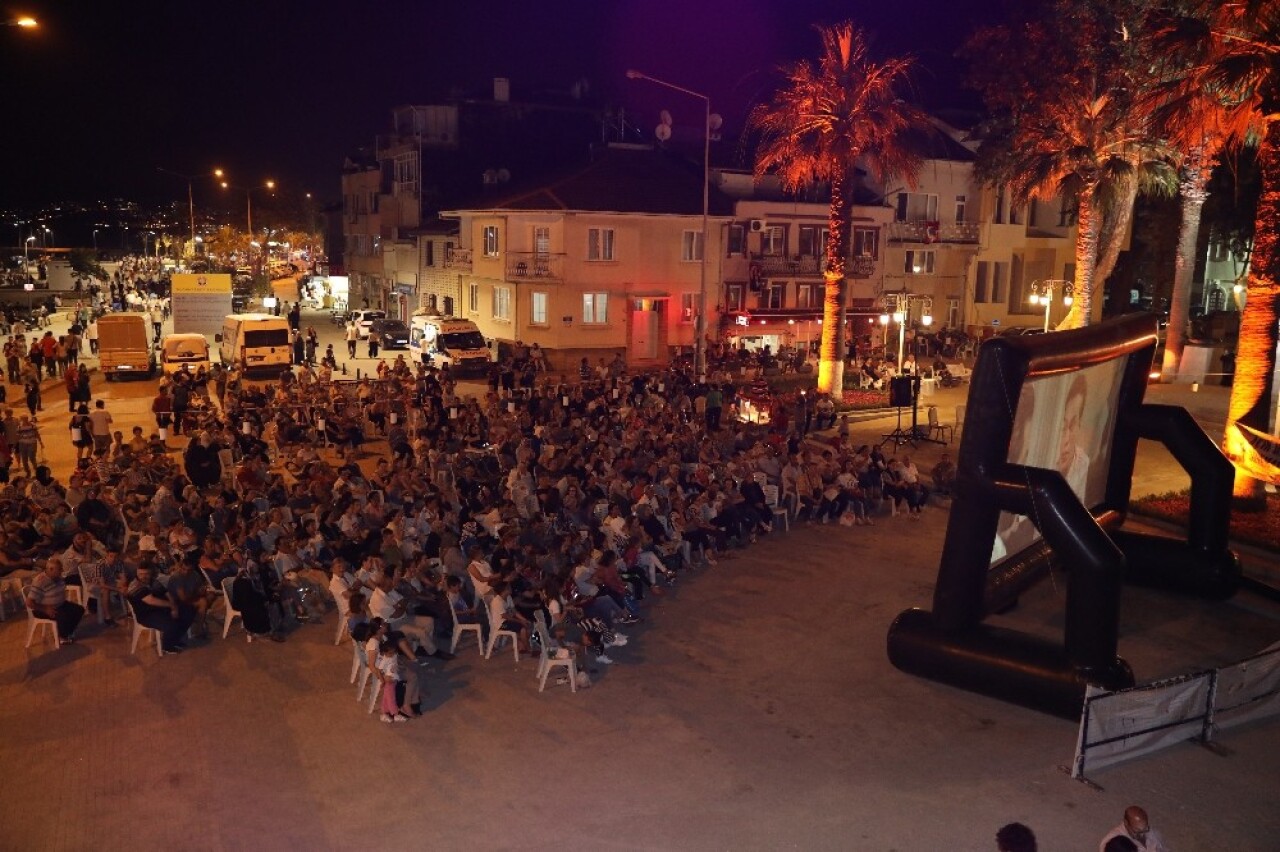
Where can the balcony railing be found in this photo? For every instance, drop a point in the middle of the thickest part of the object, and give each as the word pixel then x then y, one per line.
pixel 933 232
pixel 528 264
pixel 458 258
pixel 773 264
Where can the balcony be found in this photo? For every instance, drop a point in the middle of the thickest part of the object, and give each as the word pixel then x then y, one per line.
pixel 535 265
pixel 773 264
pixel 933 232
pixel 458 258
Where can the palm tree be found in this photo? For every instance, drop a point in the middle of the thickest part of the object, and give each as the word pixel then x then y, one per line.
pixel 1231 71
pixel 1072 123
pixel 824 121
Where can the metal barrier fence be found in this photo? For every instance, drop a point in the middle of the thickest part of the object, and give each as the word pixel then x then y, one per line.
pixel 1121 725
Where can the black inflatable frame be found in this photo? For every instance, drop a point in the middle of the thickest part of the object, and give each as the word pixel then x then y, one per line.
pixel 952 644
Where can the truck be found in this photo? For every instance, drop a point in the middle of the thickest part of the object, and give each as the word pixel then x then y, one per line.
pixel 123 348
pixel 181 352
pixel 439 341
pixel 255 343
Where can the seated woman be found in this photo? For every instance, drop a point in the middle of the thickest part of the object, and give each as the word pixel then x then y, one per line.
pixel 250 598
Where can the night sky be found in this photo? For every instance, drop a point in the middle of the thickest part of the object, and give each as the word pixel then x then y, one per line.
pixel 103 93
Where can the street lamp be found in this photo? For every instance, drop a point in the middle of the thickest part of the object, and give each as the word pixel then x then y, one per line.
pixel 700 326
pixel 95 239
pixel 248 198
pixel 1042 294
pixel 26 22
pixel 900 305
pixel 49 238
pixel 26 256
pixel 191 202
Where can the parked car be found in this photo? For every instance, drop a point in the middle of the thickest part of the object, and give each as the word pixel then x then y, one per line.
pixel 390 333
pixel 365 319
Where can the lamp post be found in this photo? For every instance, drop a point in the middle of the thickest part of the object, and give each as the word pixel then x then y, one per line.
pixel 1042 294
pixel 95 240
pixel 26 256
pixel 700 326
pixel 48 235
pixel 900 305
pixel 26 22
pixel 191 199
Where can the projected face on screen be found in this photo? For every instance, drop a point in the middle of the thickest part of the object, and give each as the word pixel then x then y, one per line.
pixel 1064 422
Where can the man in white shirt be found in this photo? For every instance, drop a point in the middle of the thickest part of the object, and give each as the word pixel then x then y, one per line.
pixel 1137 828
pixel 389 605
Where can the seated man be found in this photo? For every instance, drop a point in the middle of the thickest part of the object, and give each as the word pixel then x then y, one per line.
pixel 47 597
pixel 389 605
pixel 944 475
pixel 188 588
pixel 155 608
pixel 504 616
pixel 824 413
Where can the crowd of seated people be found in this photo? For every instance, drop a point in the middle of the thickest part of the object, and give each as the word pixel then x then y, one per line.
pixel 569 504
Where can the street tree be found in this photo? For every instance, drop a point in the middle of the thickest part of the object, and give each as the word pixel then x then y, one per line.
pixel 1230 60
pixel 827 119
pixel 1065 88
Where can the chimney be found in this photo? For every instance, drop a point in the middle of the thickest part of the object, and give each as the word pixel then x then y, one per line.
pixel 501 89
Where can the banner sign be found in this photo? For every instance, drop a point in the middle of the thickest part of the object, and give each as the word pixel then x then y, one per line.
pixel 200 303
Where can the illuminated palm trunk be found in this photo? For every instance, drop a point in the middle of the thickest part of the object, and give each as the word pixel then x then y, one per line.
pixel 1086 254
pixel 831 354
pixel 1255 356
pixel 1192 190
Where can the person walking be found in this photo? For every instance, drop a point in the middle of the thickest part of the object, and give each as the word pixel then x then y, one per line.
pixel 28 440
pixel 91 335
pixel 1136 828
pixel 157 319
pixel 31 392
pixel 162 408
pixel 353 337
pixel 101 421
pixel 81 430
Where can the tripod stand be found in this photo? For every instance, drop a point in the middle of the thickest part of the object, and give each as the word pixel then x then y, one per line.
pixel 902 392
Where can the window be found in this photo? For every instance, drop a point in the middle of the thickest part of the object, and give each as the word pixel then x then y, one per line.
pixel 813 240
pixel 917 207
pixel 691 245
pixel 1033 214
pixel 960 209
pixel 542 241
pixel 773 241
pixel 1066 214
pixel 430 258
pixel 489 239
pixel 919 262
pixel 448 306
pixel 998 217
pixel 406 174
pixel 538 308
pixel 734 296
pixel 600 244
pixel 737 240
pixel 980 282
pixel 866 242
pixel 809 295
pixel 502 303
pixel 773 297
pixel 595 307
pixel 473 298
pixel 999 275
pixel 689 306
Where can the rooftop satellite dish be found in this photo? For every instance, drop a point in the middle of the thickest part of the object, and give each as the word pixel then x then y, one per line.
pixel 665 118
pixel 715 122
pixel 503 175
pixel 663 132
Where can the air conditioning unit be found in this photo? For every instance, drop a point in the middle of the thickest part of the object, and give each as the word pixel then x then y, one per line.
pixel 757 225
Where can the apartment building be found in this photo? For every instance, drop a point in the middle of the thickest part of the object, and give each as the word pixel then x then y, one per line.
pixel 607 259
pixel 445 155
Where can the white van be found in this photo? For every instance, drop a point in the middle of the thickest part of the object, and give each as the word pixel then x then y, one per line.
pixel 437 341
pixel 255 343
pixel 181 352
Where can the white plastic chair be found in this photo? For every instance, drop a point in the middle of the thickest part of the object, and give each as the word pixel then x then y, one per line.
pixel 45 625
pixel 938 428
pixel 546 660
pixel 139 630
pixel 460 629
pixel 232 612
pixel 496 632
pixel 362 675
pixel 779 511
pixel 344 607
pixel 103 596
